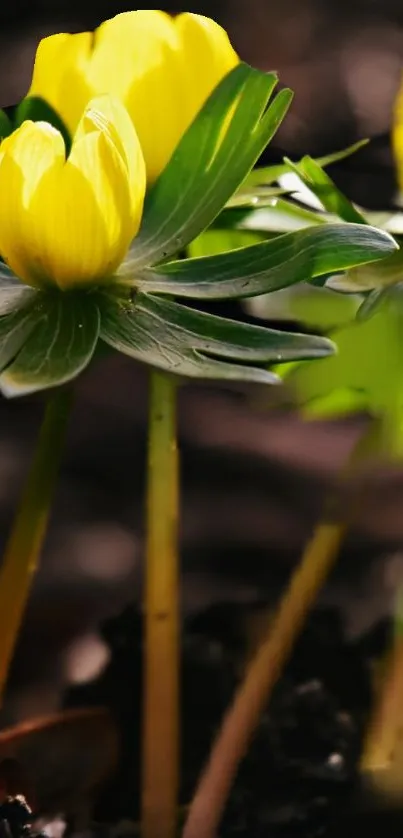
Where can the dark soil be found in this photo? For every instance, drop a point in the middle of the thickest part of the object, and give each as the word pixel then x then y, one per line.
pixel 301 770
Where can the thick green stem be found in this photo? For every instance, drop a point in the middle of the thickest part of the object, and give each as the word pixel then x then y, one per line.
pixel 252 696
pixel 26 538
pixel 161 647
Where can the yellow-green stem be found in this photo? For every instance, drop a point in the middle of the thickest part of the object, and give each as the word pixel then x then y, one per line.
pixel 242 718
pixel 28 530
pixel 381 760
pixel 161 646
pixel 386 725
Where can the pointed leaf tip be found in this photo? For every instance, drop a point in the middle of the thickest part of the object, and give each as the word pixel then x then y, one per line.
pixel 209 164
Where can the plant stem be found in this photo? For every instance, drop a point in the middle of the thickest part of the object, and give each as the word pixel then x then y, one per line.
pixel 28 530
pixel 161 650
pixel 380 760
pixel 386 724
pixel 252 696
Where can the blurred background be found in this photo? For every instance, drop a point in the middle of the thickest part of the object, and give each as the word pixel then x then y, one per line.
pixel 253 482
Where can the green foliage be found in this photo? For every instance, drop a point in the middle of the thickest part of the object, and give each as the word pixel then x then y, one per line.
pixel 213 241
pixel 310 306
pixel 6 125
pixel 366 372
pixel 60 333
pixel 210 162
pixel 268 266
pixel 266 175
pixel 190 343
pixel 49 337
pixel 370 280
pixel 322 186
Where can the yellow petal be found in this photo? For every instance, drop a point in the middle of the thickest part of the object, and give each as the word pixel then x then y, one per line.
pixel 136 56
pixel 207 56
pixel 397 135
pixel 59 75
pixel 108 115
pixel 162 68
pixel 31 152
pixel 99 198
pixel 78 217
pixel 180 62
pixel 128 46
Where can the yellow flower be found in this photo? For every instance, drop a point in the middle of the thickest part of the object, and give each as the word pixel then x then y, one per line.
pixel 162 68
pixel 397 135
pixel 70 222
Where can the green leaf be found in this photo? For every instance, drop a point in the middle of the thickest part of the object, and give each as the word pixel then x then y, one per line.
pixel 387 273
pixel 261 196
pixel 13 293
pixel 322 186
pixel 38 110
pixel 64 329
pixel 15 329
pixel 210 162
pixel 371 303
pixel 284 217
pixel 193 344
pixel 366 372
pixel 312 307
pixel 270 174
pixel 392 222
pixel 5 125
pixel 214 241
pixel 270 265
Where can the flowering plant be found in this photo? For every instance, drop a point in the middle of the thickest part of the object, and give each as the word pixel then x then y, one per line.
pixel 131 142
